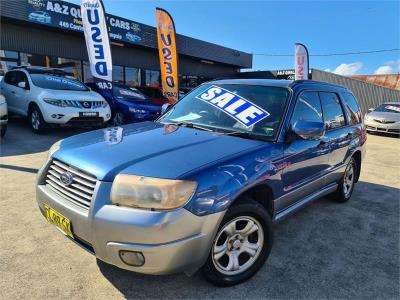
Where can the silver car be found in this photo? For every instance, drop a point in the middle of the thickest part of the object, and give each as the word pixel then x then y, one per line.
pixel 3 116
pixel 385 118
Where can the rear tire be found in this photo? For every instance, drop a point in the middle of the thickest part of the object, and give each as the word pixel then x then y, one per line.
pixel 347 183
pixel 242 244
pixel 36 120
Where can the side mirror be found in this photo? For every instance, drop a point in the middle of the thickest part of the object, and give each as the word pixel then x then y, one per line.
pixel 165 107
pixel 22 84
pixel 371 109
pixel 309 130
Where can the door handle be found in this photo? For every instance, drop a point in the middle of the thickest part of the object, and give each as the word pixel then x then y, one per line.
pixel 12 92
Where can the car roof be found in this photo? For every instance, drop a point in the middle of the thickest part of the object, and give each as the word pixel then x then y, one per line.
pixel 41 69
pixel 274 82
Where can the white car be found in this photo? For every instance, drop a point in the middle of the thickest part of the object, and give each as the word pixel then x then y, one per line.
pixel 49 96
pixel 3 116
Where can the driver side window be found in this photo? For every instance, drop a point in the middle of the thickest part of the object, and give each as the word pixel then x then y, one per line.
pixel 308 108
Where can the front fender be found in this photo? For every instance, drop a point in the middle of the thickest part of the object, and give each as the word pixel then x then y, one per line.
pixel 220 185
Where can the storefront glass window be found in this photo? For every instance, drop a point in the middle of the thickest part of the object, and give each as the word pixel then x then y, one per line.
pixel 87 76
pixel 118 74
pixel 8 59
pixel 152 78
pixel 132 76
pixel 70 66
pixel 28 59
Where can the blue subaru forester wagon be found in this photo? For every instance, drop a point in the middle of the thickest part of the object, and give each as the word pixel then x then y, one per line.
pixel 201 187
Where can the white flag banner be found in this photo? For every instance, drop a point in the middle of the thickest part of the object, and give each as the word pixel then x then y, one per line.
pixel 97 41
pixel 300 62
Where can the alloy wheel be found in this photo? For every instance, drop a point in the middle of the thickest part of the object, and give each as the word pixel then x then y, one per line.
pixel 35 119
pixel 238 245
pixel 348 179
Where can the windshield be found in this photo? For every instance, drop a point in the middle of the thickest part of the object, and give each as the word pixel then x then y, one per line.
pixel 57 82
pixel 393 108
pixel 128 93
pixel 249 109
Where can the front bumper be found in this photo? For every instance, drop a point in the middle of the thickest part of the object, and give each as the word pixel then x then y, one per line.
pixel 393 128
pixel 73 116
pixel 170 241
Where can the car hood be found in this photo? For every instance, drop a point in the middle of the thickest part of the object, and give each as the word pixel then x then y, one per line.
pixel 149 149
pixel 71 95
pixel 387 116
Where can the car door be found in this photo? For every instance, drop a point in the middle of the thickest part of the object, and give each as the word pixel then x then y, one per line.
pixel 338 132
pixel 306 161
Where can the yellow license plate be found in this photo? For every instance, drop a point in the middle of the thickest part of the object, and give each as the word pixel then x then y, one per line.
pixel 55 218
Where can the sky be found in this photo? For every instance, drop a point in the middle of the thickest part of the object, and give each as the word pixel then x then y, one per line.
pixel 272 27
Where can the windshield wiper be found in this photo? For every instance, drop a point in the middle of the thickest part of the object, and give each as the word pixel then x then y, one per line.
pixel 246 135
pixel 191 125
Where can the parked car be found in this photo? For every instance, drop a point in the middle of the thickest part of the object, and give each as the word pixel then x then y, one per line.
pixel 40 16
pixel 385 118
pixel 201 187
pixel 50 96
pixel 128 105
pixel 154 93
pixel 3 116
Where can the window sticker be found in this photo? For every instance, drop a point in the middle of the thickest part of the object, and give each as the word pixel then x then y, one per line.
pixel 131 93
pixel 392 107
pixel 237 107
pixel 65 81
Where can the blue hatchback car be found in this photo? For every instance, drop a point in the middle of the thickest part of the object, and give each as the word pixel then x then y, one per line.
pixel 128 105
pixel 201 187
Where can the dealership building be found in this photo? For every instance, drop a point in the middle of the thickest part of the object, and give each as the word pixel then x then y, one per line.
pixel 50 33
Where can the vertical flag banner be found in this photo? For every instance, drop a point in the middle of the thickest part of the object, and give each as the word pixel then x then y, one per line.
pixel 168 54
pixel 300 62
pixel 97 42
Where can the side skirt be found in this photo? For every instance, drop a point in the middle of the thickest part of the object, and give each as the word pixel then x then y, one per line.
pixel 305 201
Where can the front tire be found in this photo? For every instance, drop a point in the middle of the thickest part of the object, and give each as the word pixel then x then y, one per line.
pixel 347 183
pixel 36 120
pixel 241 246
pixel 3 130
pixel 118 119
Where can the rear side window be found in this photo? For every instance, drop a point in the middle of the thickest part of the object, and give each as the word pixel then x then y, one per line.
pixel 15 77
pixel 353 109
pixel 308 108
pixel 332 109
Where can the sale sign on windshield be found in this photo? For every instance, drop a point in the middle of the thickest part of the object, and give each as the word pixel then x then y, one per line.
pixel 237 107
pixel 168 55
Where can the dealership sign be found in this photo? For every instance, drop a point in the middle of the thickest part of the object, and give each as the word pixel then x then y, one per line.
pixel 168 55
pixel 97 42
pixel 300 62
pixel 66 15
pixel 288 74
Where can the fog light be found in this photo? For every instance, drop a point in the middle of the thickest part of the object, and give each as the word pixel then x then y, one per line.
pixel 132 258
pixel 54 116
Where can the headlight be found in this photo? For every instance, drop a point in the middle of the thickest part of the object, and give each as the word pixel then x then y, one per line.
pixel 54 148
pixel 151 193
pixel 138 111
pixel 55 102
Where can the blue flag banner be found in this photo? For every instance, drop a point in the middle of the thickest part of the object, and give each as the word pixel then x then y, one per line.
pixel 237 107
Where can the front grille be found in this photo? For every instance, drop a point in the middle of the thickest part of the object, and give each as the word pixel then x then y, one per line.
pixel 81 189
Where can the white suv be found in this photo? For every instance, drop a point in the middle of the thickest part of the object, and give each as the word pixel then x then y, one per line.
pixel 50 96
